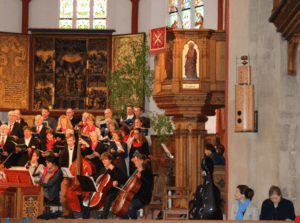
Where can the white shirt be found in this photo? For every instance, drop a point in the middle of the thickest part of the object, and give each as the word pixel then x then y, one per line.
pixel 70 155
pixel 130 116
pixel 27 141
pixel 5 137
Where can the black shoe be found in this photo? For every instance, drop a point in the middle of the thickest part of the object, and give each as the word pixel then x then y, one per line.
pixel 159 216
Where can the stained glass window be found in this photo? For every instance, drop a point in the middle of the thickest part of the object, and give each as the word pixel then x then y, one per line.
pixel 173 14
pixel 66 9
pixel 83 24
pixel 186 4
pixel 83 9
pixel 65 24
pixel 83 13
pixel 186 18
pixel 100 9
pixel 198 3
pixel 199 14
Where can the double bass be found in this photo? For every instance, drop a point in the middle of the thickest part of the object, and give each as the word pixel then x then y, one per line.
pixel 103 185
pixel 122 202
pixel 81 166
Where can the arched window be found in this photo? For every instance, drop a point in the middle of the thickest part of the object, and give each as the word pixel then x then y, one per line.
pixel 83 14
pixel 186 14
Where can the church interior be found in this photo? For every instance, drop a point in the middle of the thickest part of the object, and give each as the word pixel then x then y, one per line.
pixel 225 71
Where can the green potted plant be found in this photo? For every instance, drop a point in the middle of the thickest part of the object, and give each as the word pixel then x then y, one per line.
pixel 130 83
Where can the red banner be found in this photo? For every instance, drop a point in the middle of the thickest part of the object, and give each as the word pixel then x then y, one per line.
pixel 158 40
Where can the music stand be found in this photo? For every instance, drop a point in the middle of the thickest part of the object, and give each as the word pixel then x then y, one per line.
pixel 87 184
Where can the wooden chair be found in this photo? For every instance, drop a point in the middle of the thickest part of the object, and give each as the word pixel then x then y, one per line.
pixel 181 211
pixel 157 195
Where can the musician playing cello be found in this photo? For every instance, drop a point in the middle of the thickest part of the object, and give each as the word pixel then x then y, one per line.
pixel 118 177
pixel 144 194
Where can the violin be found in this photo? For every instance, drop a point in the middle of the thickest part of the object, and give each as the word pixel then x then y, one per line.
pixel 103 185
pixel 81 166
pixel 122 202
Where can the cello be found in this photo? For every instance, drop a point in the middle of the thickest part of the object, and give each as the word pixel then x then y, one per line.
pixel 81 166
pixel 97 199
pixel 122 202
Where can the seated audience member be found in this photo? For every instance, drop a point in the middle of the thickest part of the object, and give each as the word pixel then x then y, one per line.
pixel 244 209
pixel 19 119
pixel 97 149
pixel 120 152
pixel 276 207
pixel 39 127
pixel 138 113
pixel 220 149
pixel 52 123
pixel 8 147
pixel 14 128
pixel 216 157
pixel 139 145
pixel 31 144
pixel 51 179
pixel 91 127
pixel 70 114
pixel 112 126
pixel 35 169
pixel 144 194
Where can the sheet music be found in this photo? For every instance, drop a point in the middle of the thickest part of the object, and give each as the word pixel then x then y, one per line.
pixel 66 172
pixel 166 151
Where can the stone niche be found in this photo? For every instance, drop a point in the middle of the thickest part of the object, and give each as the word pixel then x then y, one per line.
pixel 190 85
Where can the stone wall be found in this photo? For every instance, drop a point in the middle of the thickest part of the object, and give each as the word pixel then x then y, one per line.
pixel 268 157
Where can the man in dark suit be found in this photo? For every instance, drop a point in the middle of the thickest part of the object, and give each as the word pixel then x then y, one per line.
pixel 66 158
pixel 7 145
pixel 14 128
pixel 138 113
pixel 19 119
pixel 31 143
pixel 39 127
pixel 70 114
pixel 129 115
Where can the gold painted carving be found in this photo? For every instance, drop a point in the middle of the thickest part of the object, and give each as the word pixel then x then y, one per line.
pixel 14 71
pixel 30 206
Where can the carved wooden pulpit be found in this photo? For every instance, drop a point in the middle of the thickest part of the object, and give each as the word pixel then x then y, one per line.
pixel 190 85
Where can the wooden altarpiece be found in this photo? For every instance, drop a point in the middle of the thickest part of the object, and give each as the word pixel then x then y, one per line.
pixel 60 69
pixel 190 85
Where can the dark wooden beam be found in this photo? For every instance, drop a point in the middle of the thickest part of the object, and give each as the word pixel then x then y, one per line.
pixel 220 14
pixel 135 16
pixel 25 15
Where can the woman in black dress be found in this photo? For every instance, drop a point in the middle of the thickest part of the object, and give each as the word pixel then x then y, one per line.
pixel 139 146
pixel 121 152
pixel 97 149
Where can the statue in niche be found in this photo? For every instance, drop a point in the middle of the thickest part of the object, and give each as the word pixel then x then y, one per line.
pixel 44 66
pixel 169 61
pixel 60 86
pixel 70 79
pixel 79 82
pixel 190 66
pixel 60 69
pixel 98 62
pixel 97 99
pixel 207 202
pixel 42 97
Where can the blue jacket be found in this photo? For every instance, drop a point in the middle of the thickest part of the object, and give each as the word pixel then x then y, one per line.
pixel 52 188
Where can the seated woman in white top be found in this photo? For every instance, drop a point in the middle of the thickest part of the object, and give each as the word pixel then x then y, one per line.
pixel 244 209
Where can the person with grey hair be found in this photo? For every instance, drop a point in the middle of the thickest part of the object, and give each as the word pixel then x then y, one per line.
pixel 39 127
pixel 70 114
pixel 14 128
pixel 19 119
pixel 108 118
pixel 7 145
